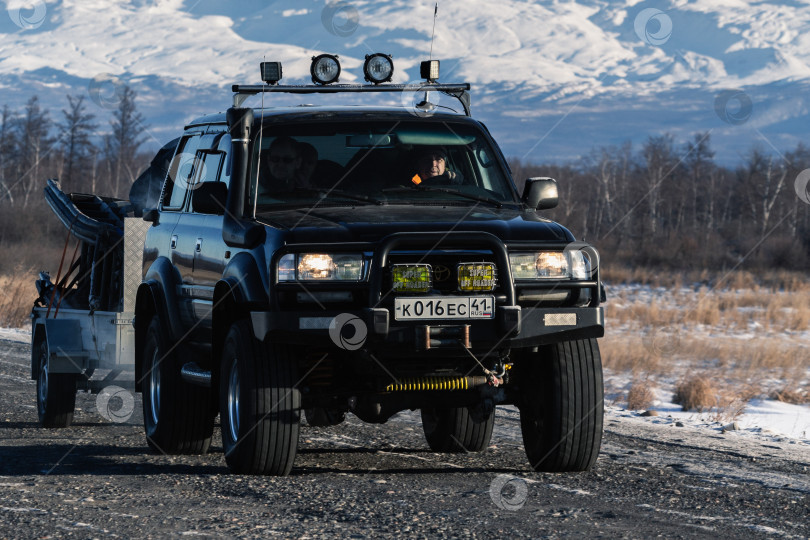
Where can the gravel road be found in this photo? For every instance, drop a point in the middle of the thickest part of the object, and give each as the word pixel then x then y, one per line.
pixel 98 479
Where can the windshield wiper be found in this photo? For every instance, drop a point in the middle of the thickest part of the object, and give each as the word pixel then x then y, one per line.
pixel 323 194
pixel 480 198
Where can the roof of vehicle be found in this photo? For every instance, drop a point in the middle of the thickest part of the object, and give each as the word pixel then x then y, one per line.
pixel 344 112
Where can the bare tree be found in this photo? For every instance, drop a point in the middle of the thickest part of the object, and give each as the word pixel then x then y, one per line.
pixel 77 145
pixel 122 145
pixel 33 145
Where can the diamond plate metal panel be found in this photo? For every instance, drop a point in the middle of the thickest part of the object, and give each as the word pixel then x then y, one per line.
pixel 134 238
pixel 560 319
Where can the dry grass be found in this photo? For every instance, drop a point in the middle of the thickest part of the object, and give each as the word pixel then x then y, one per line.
pixel 696 393
pixel 791 394
pixel 641 395
pixel 17 294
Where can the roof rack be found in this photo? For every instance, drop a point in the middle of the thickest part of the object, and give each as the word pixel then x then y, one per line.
pixel 459 91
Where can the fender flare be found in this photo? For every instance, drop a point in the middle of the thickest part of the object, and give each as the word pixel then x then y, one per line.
pixel 157 295
pixel 239 291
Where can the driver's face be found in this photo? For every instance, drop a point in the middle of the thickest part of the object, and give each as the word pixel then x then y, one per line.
pixel 431 165
pixel 284 161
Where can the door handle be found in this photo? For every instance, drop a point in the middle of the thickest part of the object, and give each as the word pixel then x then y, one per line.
pixel 199 245
pixel 174 241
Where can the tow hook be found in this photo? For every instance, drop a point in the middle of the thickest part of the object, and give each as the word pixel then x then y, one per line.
pixel 496 376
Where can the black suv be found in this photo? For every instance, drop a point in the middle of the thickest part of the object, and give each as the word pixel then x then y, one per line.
pixel 394 267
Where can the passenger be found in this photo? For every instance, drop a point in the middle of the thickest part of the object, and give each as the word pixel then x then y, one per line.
pixel 431 165
pixel 279 166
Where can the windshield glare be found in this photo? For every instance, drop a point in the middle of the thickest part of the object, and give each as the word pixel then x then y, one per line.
pixel 377 162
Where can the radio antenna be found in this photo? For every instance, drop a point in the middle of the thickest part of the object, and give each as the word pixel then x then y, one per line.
pixel 433 34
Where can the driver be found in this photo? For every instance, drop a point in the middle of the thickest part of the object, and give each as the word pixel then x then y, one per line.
pixel 431 164
pixel 279 167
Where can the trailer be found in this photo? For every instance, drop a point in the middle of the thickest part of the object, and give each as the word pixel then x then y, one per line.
pixel 82 333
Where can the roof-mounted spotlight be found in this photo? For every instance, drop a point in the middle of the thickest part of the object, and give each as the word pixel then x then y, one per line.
pixel 378 68
pixel 325 69
pixel 429 70
pixel 271 72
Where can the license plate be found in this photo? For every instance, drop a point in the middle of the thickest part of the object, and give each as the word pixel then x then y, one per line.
pixel 444 307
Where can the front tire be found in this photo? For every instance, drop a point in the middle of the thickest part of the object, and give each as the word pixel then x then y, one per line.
pixel 562 407
pixel 260 404
pixel 458 429
pixel 56 392
pixel 176 415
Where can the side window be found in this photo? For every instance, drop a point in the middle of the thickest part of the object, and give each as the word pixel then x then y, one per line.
pixel 224 147
pixel 181 173
pixel 208 164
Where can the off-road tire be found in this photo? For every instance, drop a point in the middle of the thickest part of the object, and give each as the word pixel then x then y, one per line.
pixel 176 414
pixel 458 429
pixel 56 392
pixel 260 404
pixel 561 408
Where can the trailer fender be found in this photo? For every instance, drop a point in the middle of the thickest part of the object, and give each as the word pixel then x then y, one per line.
pixel 64 341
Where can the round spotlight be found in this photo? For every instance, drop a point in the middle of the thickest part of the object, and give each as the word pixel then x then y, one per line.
pixel 378 68
pixel 325 69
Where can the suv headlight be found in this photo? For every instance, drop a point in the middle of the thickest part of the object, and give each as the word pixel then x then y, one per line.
pixel 571 264
pixel 320 267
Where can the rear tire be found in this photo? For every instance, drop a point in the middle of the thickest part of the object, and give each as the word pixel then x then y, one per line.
pixel 176 415
pixel 562 405
pixel 260 404
pixel 56 392
pixel 458 429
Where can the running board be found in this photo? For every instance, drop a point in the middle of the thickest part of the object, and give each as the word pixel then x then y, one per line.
pixel 194 374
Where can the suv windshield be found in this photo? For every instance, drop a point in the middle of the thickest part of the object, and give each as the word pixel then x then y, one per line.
pixel 394 162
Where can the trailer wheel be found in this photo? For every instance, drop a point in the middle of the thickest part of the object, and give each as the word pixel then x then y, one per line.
pixel 176 415
pixel 561 409
pixel 56 392
pixel 458 429
pixel 260 404
pixel 324 417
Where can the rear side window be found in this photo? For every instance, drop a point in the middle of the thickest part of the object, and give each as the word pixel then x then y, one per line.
pixel 181 173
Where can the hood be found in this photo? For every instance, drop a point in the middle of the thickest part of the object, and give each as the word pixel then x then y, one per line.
pixel 371 223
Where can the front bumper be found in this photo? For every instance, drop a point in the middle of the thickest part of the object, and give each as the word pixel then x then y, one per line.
pixel 512 326
pixel 374 327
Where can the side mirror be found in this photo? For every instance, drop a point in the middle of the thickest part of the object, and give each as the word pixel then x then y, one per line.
pixel 540 193
pixel 210 198
pixel 151 216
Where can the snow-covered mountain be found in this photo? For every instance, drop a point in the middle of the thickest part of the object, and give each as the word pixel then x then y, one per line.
pixel 552 80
